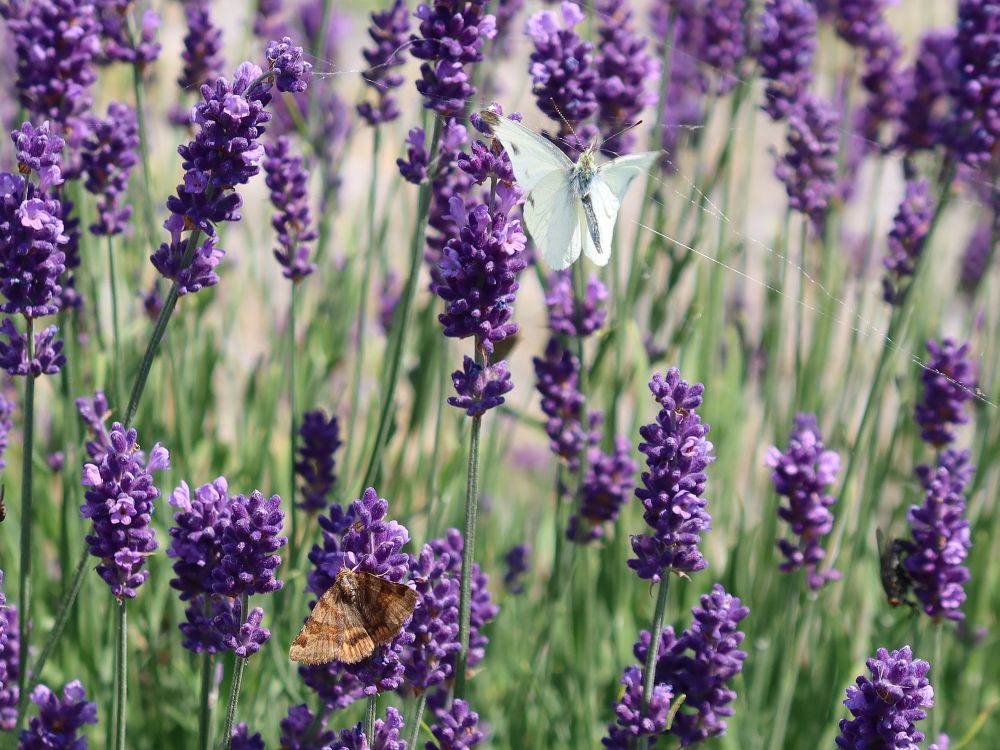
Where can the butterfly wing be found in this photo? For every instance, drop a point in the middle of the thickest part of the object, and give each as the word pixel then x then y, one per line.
pixel 533 157
pixel 385 606
pixel 552 214
pixel 600 210
pixel 335 631
pixel 619 173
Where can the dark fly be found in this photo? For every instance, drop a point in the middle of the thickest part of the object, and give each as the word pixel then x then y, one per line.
pixel 895 580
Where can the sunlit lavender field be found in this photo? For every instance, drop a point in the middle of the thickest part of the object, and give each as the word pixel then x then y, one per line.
pixel 277 306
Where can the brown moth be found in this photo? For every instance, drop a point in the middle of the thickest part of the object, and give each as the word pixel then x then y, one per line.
pixel 357 613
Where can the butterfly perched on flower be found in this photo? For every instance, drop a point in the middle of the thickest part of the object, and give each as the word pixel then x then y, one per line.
pixel 570 206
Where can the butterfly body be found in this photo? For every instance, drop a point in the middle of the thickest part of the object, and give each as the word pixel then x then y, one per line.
pixel 357 613
pixel 571 207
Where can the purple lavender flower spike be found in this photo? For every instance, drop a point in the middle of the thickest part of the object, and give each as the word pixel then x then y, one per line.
pixel 250 543
pixel 478 272
pixel 506 12
pixel 976 257
pixel 809 167
pixel 568 316
pixel 448 181
pixel 631 722
pixel 456 729
pixel 977 127
pixel 677 454
pixel 244 639
pixel 388 31
pixel 558 376
pixel 47 357
pixel 887 706
pixel 883 82
pixel 906 240
pixel 118 46
pixel 267 18
pixel 287 63
pixel 699 664
pixel 202 55
pixel 108 158
pixel 56 42
pixel 39 150
pixel 949 381
pixel 483 610
pixel 10 665
pixel 430 660
pixel 609 482
pixel 95 412
pixel 480 388
pixel 31 242
pixel 941 542
pixel 295 728
pixel 59 720
pixel 518 562
pixel 288 182
pixel 363 539
pixel 926 90
pixel 787 34
pixel 803 473
pixel 316 465
pixel 6 425
pixel 626 74
pixel 855 20
pixel 119 501
pixel 388 736
pixel 564 81
pixel 414 167
pixel 169 259
pixel 243 740
pixel 724 41
pixel 450 37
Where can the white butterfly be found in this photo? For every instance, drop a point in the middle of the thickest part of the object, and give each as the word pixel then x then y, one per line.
pixel 570 206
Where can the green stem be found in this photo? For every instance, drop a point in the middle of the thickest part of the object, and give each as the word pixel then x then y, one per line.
pixel 147 202
pixel 371 709
pixel 938 665
pixel 65 607
pixel 205 708
pixel 370 257
pixel 401 320
pixel 790 677
pixel 234 692
pixel 418 715
pixel 121 677
pixel 649 669
pixel 24 592
pixel 468 548
pixel 115 326
pixel 293 539
pixel 799 315
pixel 555 586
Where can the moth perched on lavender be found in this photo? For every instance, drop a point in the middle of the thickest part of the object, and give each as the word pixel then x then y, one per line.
pixel 570 206
pixel 357 613
pixel 895 580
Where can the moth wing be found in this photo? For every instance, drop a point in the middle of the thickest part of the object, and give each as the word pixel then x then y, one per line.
pixel 533 156
pixel 619 173
pixel 385 605
pixel 551 215
pixel 600 223
pixel 334 631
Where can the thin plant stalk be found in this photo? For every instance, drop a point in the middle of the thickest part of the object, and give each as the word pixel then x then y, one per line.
pixel 121 677
pixel 234 692
pixel 401 320
pixel 369 260
pixel 649 669
pixel 27 514
pixel 116 326
pixel 418 715
pixel 468 548
pixel 204 707
pixel 293 539
pixel 371 709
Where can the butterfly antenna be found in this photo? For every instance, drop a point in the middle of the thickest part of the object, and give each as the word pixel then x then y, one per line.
pixel 566 122
pixel 617 133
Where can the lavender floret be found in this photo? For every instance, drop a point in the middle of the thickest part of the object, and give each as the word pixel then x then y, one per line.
pixel 949 381
pixel 887 706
